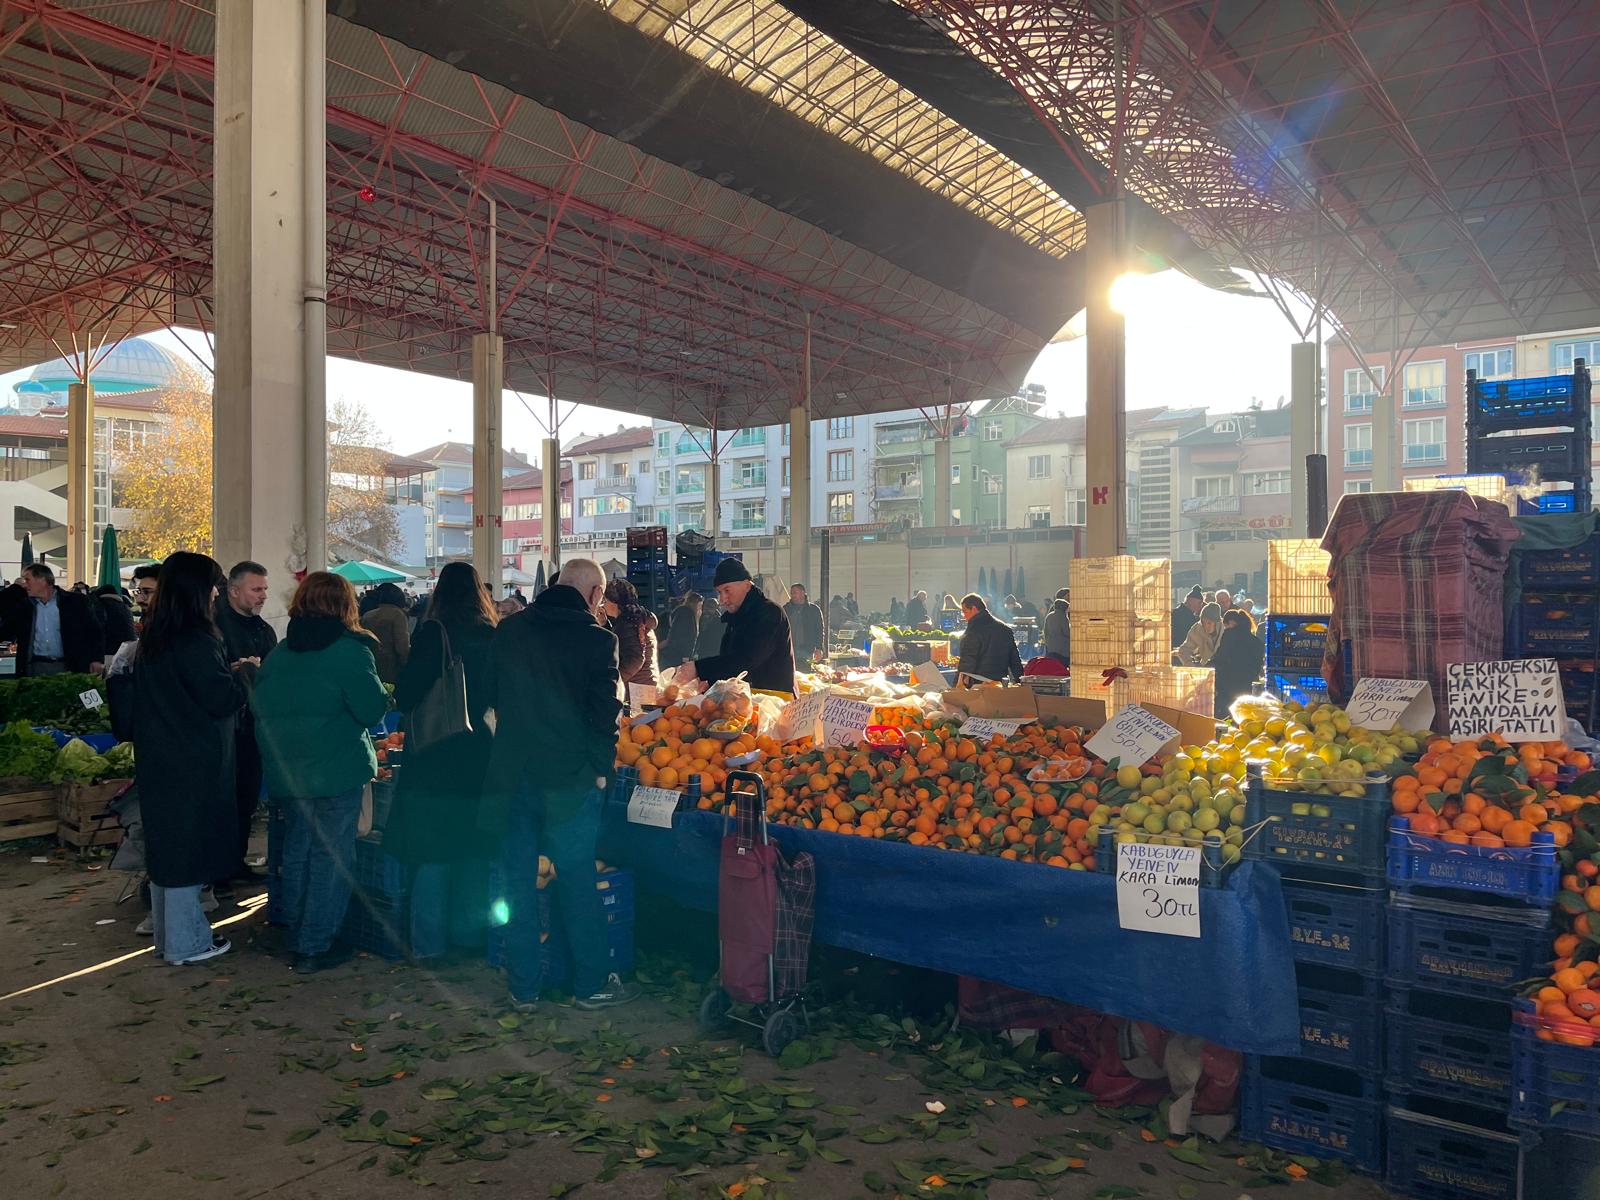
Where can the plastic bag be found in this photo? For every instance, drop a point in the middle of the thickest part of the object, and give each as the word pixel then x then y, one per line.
pixel 671 690
pixel 882 652
pixel 732 696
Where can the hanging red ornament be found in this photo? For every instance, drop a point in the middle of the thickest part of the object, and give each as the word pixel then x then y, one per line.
pixel 367 193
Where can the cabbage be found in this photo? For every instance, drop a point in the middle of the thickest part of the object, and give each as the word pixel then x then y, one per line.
pixel 77 762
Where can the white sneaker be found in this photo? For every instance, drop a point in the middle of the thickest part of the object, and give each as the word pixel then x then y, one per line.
pixel 219 947
pixel 146 927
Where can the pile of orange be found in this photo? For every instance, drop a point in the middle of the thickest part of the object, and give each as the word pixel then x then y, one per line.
pixel 1569 1006
pixel 674 751
pixel 1486 792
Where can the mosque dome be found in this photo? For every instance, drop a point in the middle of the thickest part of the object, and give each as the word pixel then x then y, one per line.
pixel 135 365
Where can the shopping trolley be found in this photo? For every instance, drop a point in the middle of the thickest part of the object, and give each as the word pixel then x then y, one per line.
pixel 765 910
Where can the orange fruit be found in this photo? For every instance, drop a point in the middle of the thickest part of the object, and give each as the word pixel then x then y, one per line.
pixel 1550 995
pixel 1494 819
pixel 1534 814
pixel 1586 969
pixel 1568 980
pixel 1519 833
pixel 1585 1002
pixel 1566 944
pixel 1487 839
pixel 1591 897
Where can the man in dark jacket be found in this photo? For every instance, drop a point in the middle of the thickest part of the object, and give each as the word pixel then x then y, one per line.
pixel 1186 614
pixel 116 619
pixel 917 609
pixel 988 647
pixel 56 631
pixel 755 635
pixel 556 703
pixel 246 640
pixel 805 626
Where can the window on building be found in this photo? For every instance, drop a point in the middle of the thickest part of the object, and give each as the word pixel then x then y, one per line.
pixel 693 441
pixel 1266 483
pixel 644 467
pixel 1038 466
pixel 1497 363
pixel 1354 487
pixel 588 506
pixel 841 466
pixel 663 482
pixel 748 474
pixel 752 515
pixel 992 484
pixel 787 510
pixel 955 473
pixel 1209 486
pixel 841 508
pixel 1564 354
pixel 955 516
pixel 748 437
pixel 785 472
pixel 663 442
pixel 647 515
pixel 1358 446
pixel 784 438
pixel 993 431
pixel 840 428
pixel 1361 388
pixel 1424 385
pixel 691 479
pixel 620 471
pixel 1077 508
pixel 1038 516
pixel 1424 441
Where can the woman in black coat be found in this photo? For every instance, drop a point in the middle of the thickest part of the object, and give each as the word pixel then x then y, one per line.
pixel 434 822
pixel 185 703
pixel 116 619
pixel 1239 659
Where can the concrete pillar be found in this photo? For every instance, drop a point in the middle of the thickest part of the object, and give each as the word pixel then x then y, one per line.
pixel 487 532
pixel 263 431
pixel 800 482
pixel 941 480
pixel 1305 420
pixel 1385 438
pixel 551 502
pixel 713 521
pixel 80 484
pixel 1105 425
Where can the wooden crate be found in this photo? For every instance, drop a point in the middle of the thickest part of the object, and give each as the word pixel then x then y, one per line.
pixel 83 813
pixel 27 810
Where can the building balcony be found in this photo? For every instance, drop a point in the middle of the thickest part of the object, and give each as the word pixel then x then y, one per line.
pixel 757 484
pixel 610 521
pixel 1210 504
pixel 690 487
pixel 1358 459
pixel 889 435
pixel 749 524
pixel 616 485
pixel 899 491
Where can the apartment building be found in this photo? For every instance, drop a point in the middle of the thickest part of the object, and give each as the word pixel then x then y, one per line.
pixel 1429 434
pixel 447 497
pixel 522 516
pixel 613 481
pixel 1234 478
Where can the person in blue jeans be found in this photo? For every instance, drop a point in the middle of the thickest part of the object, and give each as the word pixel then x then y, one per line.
pixel 557 699
pixel 314 700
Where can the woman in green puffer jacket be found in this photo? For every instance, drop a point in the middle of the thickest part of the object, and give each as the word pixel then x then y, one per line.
pixel 315 698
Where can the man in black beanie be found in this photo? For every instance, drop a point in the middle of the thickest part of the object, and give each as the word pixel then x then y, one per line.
pixel 755 635
pixel 1186 614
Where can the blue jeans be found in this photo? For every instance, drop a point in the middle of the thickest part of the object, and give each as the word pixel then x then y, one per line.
pixel 180 927
pixel 449 907
pixel 319 842
pixel 570 847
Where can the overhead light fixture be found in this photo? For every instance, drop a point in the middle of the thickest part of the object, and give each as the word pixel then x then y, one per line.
pixel 6 325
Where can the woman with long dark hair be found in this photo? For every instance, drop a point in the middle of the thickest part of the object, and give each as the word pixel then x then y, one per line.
pixel 635 627
pixel 434 822
pixel 1239 659
pixel 314 700
pixel 186 703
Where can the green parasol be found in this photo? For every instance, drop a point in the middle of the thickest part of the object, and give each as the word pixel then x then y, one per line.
pixel 368 572
pixel 110 562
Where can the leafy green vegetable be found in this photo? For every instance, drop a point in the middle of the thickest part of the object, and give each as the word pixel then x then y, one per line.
pixel 77 762
pixel 25 754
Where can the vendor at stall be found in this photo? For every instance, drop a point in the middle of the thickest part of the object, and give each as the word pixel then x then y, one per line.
pixel 988 647
pixel 755 636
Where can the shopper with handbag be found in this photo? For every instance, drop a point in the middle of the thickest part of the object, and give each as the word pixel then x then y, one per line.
pixel 314 701
pixel 444 690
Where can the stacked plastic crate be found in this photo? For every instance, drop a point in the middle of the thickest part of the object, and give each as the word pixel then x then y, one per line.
pixel 1535 432
pixel 1121 620
pixel 1559 617
pixel 1467 926
pixel 1298 607
pixel 647 566
pixel 1328 1101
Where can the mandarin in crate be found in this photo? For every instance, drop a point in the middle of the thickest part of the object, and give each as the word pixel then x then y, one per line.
pixel 1519 833
pixel 1585 1002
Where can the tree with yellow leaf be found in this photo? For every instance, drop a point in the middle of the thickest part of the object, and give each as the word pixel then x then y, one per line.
pixel 167 483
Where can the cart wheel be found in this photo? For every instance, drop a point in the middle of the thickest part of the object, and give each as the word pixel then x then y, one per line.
pixel 714 1011
pixel 782 1027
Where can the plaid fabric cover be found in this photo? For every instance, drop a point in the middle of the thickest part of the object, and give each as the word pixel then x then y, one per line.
pixel 985 1005
pixel 797 896
pixel 1417 581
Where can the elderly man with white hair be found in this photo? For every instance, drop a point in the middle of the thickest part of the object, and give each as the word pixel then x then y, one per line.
pixel 556 704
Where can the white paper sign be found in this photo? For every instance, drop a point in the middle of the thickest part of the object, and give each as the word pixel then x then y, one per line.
pixel 844 721
pixel 92 699
pixel 928 677
pixel 1518 699
pixel 799 717
pixel 653 806
pixel 983 728
pixel 1158 888
pixel 1132 737
pixel 1383 704
pixel 642 696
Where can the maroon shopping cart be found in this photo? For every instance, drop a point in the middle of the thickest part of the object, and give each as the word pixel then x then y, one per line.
pixel 765 910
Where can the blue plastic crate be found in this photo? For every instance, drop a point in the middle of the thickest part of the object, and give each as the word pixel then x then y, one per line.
pixel 644 556
pixel 389 724
pixel 1307 829
pixel 1303 1109
pixel 1300 687
pixel 1333 925
pixel 1529 875
pixel 1574 567
pixel 375 927
pixel 623 783
pixel 1341 1018
pixel 1555 625
pixel 1292 636
pixel 1553 1085
pixel 1505 404
pixel 1465 948
pixel 374 871
pixel 1434 1159
pixel 98 742
pixel 1447 1048
pixel 1213 870
pixel 1556 455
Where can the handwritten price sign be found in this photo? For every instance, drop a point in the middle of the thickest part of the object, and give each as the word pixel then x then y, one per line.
pixel 1519 699
pixel 983 728
pixel 1383 704
pixel 1158 888
pixel 653 806
pixel 1133 737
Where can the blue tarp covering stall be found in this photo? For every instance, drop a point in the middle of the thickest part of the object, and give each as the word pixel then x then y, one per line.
pixel 1045 930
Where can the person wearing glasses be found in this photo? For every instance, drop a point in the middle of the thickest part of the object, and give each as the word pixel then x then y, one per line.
pixel 144 588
